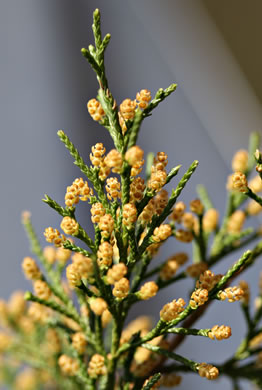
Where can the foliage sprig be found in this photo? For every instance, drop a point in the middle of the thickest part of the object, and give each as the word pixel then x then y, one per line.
pixel 76 331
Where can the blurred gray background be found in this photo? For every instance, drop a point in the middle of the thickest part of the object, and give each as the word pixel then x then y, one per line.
pixel 210 49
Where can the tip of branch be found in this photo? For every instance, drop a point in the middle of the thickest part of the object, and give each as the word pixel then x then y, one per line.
pixel 84 51
pixel 27 296
pixel 60 133
pixel 96 13
pixel 45 199
pixel 25 216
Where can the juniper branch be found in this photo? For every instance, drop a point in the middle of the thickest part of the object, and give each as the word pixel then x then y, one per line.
pixel 82 235
pixel 52 305
pixel 149 163
pixel 254 196
pixel 161 95
pixel 64 212
pixel 135 128
pixel 204 197
pixel 111 112
pixel 151 382
pixel 171 355
pixel 69 245
pixel 37 250
pixel 190 332
pixel 149 194
pixel 231 272
pixel 84 168
pixel 157 220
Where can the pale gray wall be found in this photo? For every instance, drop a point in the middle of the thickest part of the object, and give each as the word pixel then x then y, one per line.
pixel 45 84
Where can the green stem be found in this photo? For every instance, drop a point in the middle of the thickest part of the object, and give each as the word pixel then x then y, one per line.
pixel 200 240
pixel 112 363
pixel 157 220
pixel 232 271
pixel 204 197
pixel 82 235
pixel 159 97
pixel 69 245
pixel 245 309
pixel 104 289
pixel 234 201
pixel 139 276
pixel 99 336
pixel 125 183
pixel 150 193
pixel 191 332
pixel 185 313
pixel 151 382
pixel 149 163
pixel 214 258
pixel 96 26
pixel 171 355
pixel 111 112
pixel 64 212
pixel 153 271
pixel 254 196
pixel 52 275
pixel 174 171
pixel 135 128
pixel 161 325
pixel 52 305
pixel 133 247
pixel 164 283
pixel 86 290
pixel 84 168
